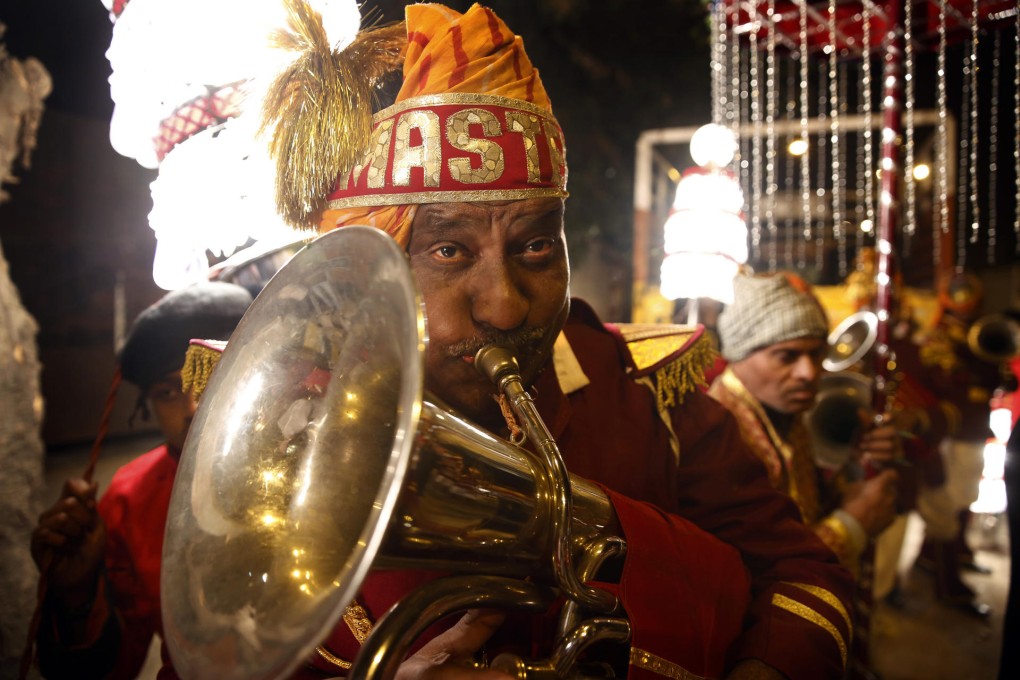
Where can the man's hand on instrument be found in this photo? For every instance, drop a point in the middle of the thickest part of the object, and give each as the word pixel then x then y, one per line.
pixel 880 444
pixel 450 655
pixel 872 502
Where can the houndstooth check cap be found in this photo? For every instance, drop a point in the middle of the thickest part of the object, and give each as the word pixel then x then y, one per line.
pixel 768 309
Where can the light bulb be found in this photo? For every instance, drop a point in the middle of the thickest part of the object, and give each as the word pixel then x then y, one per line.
pixel 713 145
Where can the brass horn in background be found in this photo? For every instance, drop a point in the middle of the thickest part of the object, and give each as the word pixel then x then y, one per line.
pixel 315 457
pixel 834 421
pixel 995 338
pixel 850 341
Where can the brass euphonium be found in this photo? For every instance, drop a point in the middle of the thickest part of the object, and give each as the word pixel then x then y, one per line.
pixel 315 457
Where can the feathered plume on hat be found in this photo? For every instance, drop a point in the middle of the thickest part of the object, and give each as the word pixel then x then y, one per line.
pixel 318 109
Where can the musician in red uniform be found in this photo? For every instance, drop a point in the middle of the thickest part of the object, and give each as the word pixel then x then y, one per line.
pixel 102 608
pixel 467 172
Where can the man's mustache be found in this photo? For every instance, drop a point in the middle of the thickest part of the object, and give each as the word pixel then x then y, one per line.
pixel 517 341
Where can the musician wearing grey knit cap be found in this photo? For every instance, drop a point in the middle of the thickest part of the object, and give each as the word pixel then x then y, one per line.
pixel 773 337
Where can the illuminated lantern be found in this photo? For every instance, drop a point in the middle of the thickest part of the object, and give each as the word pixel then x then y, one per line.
pixel 705 238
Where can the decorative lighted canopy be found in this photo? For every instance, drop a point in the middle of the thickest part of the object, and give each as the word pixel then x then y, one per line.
pixel 834 81
pixel 847 29
pixel 705 239
pixel 187 85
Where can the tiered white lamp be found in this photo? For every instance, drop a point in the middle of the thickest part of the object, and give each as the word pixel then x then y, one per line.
pixel 706 235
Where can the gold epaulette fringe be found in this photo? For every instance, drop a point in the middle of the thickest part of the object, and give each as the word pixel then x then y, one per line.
pixel 670 361
pixel 199 362
pixel 684 374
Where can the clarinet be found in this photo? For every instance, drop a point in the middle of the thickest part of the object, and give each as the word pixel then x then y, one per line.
pixel 883 359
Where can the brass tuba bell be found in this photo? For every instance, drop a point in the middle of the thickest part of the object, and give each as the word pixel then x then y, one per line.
pixel 315 457
pixel 995 338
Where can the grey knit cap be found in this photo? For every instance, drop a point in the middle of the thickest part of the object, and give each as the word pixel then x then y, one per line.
pixel 767 309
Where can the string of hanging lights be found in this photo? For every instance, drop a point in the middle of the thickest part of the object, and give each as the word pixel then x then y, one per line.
pixel 910 185
pixel 975 203
pixel 1016 135
pixel 835 139
pixel 822 157
pixel 805 165
pixel 942 162
pixel 770 136
pixel 868 105
pixel 789 114
pixel 833 143
pixel 963 168
pixel 993 145
pixel 756 141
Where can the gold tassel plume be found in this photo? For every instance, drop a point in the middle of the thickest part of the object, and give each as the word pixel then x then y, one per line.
pixel 319 109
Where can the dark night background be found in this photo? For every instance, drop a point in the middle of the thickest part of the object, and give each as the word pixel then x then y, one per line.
pixel 77 221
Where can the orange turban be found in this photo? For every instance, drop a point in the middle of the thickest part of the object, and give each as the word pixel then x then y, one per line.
pixel 459 70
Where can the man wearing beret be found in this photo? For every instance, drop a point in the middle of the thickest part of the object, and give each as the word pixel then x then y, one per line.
pixel 102 605
pixel 467 172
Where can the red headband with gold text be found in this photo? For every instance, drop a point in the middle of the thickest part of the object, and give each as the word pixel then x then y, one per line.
pixel 457 147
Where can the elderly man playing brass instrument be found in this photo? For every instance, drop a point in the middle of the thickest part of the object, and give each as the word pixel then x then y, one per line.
pixel 466 171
